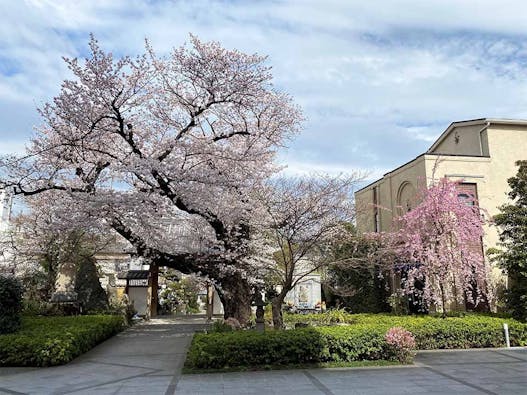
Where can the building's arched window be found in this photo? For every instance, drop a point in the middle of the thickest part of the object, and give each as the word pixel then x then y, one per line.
pixel 405 197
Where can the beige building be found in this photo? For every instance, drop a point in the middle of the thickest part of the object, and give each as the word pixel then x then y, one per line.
pixel 479 153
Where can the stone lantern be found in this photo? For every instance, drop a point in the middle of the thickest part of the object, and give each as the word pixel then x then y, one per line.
pixel 260 304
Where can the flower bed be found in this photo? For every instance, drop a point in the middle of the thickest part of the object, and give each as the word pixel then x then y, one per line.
pixel 47 341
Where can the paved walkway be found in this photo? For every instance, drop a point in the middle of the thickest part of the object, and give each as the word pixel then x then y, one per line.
pixel 147 359
pixel 496 371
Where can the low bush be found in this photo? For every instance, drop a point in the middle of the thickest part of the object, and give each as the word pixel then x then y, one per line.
pixel 401 344
pixel 220 327
pixel 47 341
pixel 361 337
pixel 470 331
pixel 10 304
pixel 299 346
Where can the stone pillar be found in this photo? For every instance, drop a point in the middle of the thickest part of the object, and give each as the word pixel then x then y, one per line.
pixel 65 289
pixel 66 276
pixel 210 301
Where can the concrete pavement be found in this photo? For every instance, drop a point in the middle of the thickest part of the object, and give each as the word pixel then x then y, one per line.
pixel 144 359
pixel 491 371
pixel 147 359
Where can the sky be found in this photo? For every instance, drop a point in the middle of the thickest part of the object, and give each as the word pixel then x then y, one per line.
pixel 378 81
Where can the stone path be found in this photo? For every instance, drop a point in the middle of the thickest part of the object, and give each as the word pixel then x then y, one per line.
pixel 147 359
pixel 496 371
pixel 144 359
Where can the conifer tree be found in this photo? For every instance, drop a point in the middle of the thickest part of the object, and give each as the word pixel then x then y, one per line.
pixel 513 258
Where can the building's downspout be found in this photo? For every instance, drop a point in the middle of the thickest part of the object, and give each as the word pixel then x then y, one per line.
pixel 487 124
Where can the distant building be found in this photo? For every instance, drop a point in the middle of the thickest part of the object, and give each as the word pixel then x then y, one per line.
pixel 480 154
pixel 6 205
pixel 307 294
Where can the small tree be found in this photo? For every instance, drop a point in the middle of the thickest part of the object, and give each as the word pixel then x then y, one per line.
pixel 513 223
pixel 10 304
pixel 305 216
pixel 49 235
pixel 439 246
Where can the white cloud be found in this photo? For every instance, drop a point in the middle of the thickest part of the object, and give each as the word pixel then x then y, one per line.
pixel 378 81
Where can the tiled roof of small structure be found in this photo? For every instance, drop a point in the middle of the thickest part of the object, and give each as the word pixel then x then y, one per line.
pixel 137 274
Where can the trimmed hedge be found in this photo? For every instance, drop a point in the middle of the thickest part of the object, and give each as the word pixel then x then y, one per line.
pixel 304 346
pixel 361 340
pixel 470 331
pixel 10 304
pixel 47 341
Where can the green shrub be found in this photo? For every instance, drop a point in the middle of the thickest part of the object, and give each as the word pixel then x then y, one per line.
pixel 10 304
pixel 299 346
pixel 47 341
pixel 470 331
pixel 363 338
pixel 220 327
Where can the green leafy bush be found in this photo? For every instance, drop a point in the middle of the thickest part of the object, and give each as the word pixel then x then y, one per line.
pixel 47 341
pixel 363 338
pixel 306 345
pixel 10 304
pixel 470 331
pixel 220 327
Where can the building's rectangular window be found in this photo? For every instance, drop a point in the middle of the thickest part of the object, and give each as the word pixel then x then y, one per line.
pixel 376 214
pixel 468 192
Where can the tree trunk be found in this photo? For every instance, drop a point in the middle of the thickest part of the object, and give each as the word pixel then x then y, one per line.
pixel 276 303
pixel 443 299
pixel 154 281
pixel 236 296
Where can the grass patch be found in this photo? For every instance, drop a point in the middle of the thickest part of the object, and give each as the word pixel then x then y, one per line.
pixel 48 341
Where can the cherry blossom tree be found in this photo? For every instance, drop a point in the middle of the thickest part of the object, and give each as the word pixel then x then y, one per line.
pixel 439 244
pixel 304 217
pixel 46 236
pixel 137 140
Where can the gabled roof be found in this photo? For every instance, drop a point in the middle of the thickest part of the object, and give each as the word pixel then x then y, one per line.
pixel 451 127
pixel 470 122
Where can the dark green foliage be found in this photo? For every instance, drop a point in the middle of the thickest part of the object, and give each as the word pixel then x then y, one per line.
pixel 220 327
pixel 88 287
pixel 47 341
pixel 362 339
pixel 306 345
pixel 513 224
pixel 356 281
pixel 370 293
pixel 10 304
pixel 470 331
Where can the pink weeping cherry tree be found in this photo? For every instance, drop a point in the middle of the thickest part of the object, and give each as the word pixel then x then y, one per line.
pixel 439 243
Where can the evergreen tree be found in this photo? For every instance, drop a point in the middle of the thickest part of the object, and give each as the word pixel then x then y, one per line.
pixel 358 277
pixel 513 223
